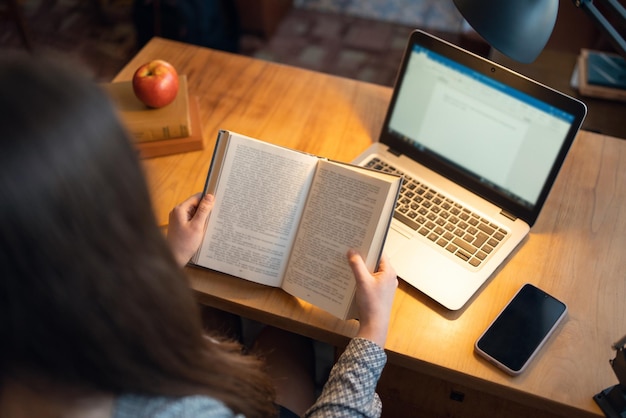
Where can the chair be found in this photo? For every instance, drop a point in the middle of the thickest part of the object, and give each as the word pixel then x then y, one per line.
pixel 13 12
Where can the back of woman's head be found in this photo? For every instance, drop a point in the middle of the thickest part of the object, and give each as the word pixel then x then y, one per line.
pixel 90 294
pixel 79 249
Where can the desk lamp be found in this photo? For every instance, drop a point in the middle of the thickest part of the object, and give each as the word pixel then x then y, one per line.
pixel 520 28
pixel 612 400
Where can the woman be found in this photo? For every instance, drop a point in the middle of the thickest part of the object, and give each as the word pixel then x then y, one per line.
pixel 95 313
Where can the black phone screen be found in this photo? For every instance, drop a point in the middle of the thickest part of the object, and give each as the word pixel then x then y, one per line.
pixel 521 327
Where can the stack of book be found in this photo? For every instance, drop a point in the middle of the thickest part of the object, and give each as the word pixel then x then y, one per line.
pixel 172 129
pixel 602 75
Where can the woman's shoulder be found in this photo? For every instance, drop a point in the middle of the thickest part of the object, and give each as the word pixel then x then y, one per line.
pixel 198 406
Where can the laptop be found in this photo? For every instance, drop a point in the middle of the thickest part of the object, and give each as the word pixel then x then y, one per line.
pixel 480 147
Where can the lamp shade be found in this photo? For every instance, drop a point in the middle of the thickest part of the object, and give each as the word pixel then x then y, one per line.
pixel 519 29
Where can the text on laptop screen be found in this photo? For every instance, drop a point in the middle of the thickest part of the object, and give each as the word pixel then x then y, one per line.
pixel 502 136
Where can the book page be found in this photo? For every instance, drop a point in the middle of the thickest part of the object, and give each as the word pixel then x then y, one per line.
pixel 343 211
pixel 258 203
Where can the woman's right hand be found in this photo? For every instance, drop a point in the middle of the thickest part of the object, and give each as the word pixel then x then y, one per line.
pixel 186 226
pixel 374 297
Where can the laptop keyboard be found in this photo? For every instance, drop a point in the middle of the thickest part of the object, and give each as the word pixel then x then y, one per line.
pixel 443 221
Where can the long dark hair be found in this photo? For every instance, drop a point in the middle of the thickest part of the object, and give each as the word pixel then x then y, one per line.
pixel 90 294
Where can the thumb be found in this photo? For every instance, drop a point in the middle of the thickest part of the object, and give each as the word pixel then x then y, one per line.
pixel 204 208
pixel 357 265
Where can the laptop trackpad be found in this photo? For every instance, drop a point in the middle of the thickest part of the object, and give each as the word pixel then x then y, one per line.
pixel 397 238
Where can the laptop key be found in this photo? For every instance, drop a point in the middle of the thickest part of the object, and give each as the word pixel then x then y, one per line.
pixel 464 256
pixel 481 238
pixel 465 245
pixel 406 220
pixel 485 228
pixel 452 248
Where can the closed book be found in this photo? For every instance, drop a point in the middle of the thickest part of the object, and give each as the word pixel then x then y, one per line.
pixel 148 124
pixel 163 147
pixel 595 90
pixel 605 69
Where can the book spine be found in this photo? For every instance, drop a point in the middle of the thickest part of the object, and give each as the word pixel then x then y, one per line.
pixel 591 90
pixel 155 133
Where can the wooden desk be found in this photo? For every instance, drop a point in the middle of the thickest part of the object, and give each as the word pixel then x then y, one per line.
pixel 575 250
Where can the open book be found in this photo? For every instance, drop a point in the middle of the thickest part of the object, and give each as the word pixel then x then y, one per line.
pixel 286 219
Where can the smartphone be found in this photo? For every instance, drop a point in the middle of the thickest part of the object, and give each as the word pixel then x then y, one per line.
pixel 513 339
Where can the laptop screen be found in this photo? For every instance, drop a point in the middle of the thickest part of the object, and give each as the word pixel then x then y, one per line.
pixel 478 121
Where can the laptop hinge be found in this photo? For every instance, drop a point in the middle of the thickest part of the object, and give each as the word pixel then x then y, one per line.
pixel 508 215
pixel 394 152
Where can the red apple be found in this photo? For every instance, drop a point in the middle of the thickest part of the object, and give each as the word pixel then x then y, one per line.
pixel 156 83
